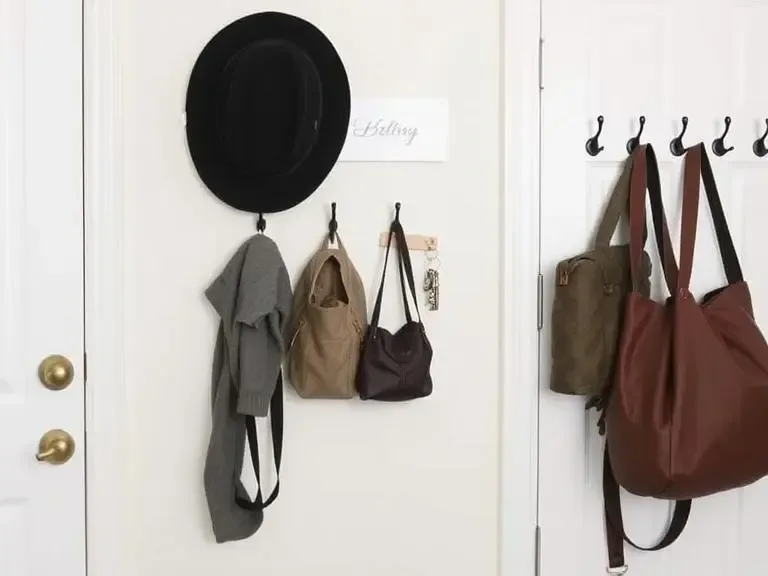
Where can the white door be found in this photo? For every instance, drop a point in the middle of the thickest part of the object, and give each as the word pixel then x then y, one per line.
pixel 663 59
pixel 42 504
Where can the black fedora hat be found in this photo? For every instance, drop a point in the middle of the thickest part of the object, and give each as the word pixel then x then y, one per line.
pixel 267 111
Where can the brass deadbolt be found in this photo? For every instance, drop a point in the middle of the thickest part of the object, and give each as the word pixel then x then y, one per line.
pixel 56 447
pixel 56 372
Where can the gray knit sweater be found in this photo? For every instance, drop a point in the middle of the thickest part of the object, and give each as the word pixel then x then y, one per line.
pixel 252 297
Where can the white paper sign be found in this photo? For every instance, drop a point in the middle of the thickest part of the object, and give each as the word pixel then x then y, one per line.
pixel 397 130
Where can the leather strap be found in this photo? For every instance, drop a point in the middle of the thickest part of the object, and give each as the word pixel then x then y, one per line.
pixel 724 241
pixel 645 175
pixel 406 273
pixel 697 168
pixel 404 292
pixel 405 261
pixel 377 306
pixel 615 535
pixel 276 417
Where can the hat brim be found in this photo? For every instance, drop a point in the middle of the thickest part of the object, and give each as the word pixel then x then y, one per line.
pixel 285 191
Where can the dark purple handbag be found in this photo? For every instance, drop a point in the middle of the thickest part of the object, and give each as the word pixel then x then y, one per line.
pixel 395 367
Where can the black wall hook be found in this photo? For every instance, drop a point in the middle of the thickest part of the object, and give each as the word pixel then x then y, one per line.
pixel 718 144
pixel 634 142
pixel 593 145
pixel 261 224
pixel 759 146
pixel 676 146
pixel 397 211
pixel 333 226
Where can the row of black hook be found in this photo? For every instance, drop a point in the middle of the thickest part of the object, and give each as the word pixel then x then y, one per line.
pixel 333 224
pixel 676 146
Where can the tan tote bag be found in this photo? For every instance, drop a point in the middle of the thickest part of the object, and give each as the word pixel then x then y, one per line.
pixel 328 322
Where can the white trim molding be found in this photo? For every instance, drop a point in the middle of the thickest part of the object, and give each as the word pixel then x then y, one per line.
pixel 520 268
pixel 107 471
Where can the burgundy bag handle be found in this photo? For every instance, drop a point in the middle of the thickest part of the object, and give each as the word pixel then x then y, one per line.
pixel 615 535
pixel 645 175
pixel 697 168
pixel 691 193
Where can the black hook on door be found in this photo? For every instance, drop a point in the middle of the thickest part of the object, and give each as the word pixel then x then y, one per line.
pixel 397 211
pixel 759 147
pixel 718 144
pixel 676 145
pixel 333 226
pixel 593 145
pixel 634 142
pixel 261 224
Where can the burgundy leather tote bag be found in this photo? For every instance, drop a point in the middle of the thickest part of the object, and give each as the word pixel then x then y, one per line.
pixel 687 414
pixel 396 367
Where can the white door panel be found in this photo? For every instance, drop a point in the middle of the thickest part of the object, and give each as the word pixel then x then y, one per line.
pixel 663 59
pixel 42 506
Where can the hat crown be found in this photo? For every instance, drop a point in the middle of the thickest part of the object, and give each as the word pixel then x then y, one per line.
pixel 269 108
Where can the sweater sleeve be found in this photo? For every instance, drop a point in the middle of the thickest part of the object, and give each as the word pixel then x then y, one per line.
pixel 260 345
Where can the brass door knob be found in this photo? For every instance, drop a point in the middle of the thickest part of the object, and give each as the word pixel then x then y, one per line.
pixel 56 372
pixel 56 447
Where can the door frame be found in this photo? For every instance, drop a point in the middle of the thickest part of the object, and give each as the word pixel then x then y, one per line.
pixel 520 265
pixel 106 421
pixel 108 448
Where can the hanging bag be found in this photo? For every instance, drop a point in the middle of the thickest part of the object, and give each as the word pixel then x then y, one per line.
pixel 589 302
pixel 328 321
pixel 396 367
pixel 686 416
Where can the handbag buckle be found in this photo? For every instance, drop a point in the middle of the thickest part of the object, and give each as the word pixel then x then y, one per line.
pixel 618 571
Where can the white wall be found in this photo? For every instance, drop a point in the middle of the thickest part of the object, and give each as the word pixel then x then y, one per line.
pixel 367 489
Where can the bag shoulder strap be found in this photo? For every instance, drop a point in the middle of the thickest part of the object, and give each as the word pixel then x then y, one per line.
pixel 617 203
pixel 645 176
pixel 276 417
pixel 697 168
pixel 615 535
pixel 406 272
pixel 404 263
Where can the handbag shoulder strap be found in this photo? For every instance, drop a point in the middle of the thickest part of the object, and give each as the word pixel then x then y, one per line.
pixel 404 263
pixel 406 273
pixel 377 306
pixel 615 534
pixel 697 168
pixel 645 176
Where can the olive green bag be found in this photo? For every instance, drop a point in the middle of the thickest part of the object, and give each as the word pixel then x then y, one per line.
pixel 588 304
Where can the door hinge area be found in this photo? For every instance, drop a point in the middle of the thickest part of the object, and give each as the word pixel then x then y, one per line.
pixel 541 63
pixel 539 302
pixel 537 564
